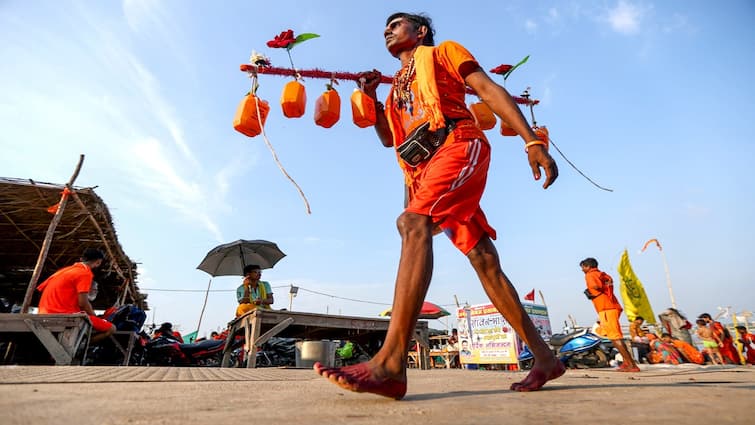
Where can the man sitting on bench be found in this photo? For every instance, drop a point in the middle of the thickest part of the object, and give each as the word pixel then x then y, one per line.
pixel 67 292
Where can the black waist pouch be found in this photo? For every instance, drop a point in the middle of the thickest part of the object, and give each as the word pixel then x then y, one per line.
pixel 422 143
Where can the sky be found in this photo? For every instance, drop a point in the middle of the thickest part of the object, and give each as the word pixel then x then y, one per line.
pixel 651 99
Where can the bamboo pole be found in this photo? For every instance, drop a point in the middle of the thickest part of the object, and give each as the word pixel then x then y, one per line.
pixel 129 280
pixel 201 314
pixel 96 225
pixel 668 279
pixel 48 238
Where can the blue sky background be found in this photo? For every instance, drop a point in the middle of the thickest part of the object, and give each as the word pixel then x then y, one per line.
pixel 652 99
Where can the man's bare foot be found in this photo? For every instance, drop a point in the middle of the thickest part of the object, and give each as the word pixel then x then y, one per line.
pixel 627 368
pixel 539 375
pixel 363 378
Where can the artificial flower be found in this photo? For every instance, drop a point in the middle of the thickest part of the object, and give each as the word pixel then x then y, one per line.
pixel 501 69
pixel 259 59
pixel 282 41
pixel 286 40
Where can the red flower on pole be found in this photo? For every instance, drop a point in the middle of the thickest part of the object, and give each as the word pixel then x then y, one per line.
pixel 282 41
pixel 501 69
pixel 286 40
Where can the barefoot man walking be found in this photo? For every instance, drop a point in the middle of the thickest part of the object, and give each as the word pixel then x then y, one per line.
pixel 445 182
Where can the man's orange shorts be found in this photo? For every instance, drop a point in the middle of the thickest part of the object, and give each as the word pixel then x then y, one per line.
pixel 100 325
pixel 609 324
pixel 449 188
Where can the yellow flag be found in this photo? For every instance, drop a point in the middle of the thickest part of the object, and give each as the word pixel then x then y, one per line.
pixel 636 302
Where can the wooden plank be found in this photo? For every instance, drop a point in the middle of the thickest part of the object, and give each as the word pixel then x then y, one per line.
pixel 274 331
pixel 126 352
pixel 251 333
pixel 56 350
pixel 62 335
pixel 54 322
pixel 226 362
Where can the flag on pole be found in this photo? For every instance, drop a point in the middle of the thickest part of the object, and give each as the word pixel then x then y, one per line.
pixel 633 294
pixel 530 296
pixel 190 337
pixel 658 244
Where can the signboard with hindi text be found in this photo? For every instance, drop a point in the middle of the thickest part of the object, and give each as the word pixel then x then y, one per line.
pixel 485 337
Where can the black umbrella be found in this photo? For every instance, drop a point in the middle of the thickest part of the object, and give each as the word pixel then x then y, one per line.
pixel 231 258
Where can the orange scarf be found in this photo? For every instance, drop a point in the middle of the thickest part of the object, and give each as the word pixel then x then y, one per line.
pixel 427 96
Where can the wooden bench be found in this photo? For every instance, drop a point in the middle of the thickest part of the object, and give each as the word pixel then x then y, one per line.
pixel 65 336
pixel 259 326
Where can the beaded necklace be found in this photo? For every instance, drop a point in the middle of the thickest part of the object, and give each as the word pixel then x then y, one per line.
pixel 402 83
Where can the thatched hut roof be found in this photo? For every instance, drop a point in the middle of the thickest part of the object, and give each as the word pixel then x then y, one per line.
pixel 24 221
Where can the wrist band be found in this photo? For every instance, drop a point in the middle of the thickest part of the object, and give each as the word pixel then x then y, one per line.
pixel 533 143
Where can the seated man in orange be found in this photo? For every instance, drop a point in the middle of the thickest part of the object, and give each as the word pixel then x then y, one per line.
pixel 637 332
pixel 67 292
pixel 748 341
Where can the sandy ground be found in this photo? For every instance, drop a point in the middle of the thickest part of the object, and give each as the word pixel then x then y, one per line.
pixel 155 395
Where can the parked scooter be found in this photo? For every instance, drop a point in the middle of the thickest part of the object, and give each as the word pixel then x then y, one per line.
pixel 577 350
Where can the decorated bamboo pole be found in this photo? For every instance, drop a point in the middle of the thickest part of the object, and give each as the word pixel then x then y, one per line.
pixel 48 238
pixel 339 75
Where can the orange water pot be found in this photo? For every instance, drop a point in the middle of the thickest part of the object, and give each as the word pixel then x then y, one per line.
pixel 328 109
pixel 247 121
pixel 293 99
pixel 506 129
pixel 542 133
pixel 362 109
pixel 483 116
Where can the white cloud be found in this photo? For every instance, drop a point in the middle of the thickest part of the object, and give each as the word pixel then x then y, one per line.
pixel 676 22
pixel 625 18
pixel 530 26
pixel 553 15
pixel 102 99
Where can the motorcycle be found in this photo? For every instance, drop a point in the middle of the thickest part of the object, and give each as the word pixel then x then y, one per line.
pixel 277 352
pixel 166 350
pixel 577 350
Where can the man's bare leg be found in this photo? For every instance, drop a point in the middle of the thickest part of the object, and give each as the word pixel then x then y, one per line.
pixel 385 374
pixel 629 364
pixel 100 336
pixel 498 287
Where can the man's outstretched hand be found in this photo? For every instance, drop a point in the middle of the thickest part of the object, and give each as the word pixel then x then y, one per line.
pixel 538 158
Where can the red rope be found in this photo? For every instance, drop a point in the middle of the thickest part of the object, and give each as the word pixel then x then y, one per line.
pixel 319 73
